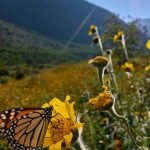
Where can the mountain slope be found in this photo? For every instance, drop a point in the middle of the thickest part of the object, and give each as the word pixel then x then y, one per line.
pixel 56 19
pixel 18 46
pixel 146 23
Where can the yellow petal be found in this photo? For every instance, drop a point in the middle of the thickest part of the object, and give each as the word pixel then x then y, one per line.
pixel 89 33
pixel 59 107
pixel 147 68
pixel 47 142
pixel 67 98
pixel 48 133
pixel 68 139
pixel 115 38
pixel 45 105
pixel 55 101
pixel 56 146
pixel 70 110
pixel 120 33
pixel 78 125
pixel 148 44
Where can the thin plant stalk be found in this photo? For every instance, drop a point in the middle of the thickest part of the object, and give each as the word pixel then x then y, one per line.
pixel 101 73
pixel 112 72
pixel 80 140
pixel 99 41
pixel 114 112
pixel 101 77
pixel 124 47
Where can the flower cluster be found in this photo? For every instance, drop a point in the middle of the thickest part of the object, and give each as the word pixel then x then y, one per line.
pixel 103 100
pixel 99 61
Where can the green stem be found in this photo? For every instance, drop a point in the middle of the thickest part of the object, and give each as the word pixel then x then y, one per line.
pixel 124 47
pixel 80 140
pixel 100 42
pixel 100 75
pixel 112 72
pixel 114 112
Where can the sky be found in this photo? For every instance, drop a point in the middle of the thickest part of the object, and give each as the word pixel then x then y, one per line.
pixel 124 8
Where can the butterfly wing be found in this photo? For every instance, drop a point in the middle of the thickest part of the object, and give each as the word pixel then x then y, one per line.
pixel 25 128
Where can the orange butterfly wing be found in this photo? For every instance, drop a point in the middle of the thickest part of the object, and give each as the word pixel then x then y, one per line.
pixel 25 128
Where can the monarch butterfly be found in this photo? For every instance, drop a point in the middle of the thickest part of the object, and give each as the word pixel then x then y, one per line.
pixel 25 128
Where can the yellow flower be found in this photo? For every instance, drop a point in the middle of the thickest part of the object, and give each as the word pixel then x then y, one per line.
pixel 117 36
pixel 63 125
pixel 92 29
pixel 103 100
pixel 101 64
pixel 99 60
pixel 148 44
pixel 147 68
pixel 127 67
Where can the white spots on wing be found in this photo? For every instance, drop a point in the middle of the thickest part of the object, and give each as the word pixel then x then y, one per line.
pixel 3 130
pixel 11 117
pixel 24 116
pixel 12 113
pixel 6 112
pixel 3 116
pixel 2 125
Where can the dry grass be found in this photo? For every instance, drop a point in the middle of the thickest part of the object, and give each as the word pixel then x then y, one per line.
pixel 34 90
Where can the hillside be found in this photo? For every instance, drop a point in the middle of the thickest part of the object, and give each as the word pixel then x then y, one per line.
pixel 56 19
pixel 146 23
pixel 18 46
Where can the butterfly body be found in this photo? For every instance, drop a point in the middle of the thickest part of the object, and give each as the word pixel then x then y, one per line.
pixel 25 128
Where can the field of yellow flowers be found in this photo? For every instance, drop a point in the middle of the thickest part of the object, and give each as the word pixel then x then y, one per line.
pixel 36 89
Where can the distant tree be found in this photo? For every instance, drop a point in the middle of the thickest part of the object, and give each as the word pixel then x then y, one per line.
pixel 133 36
pixel 112 26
